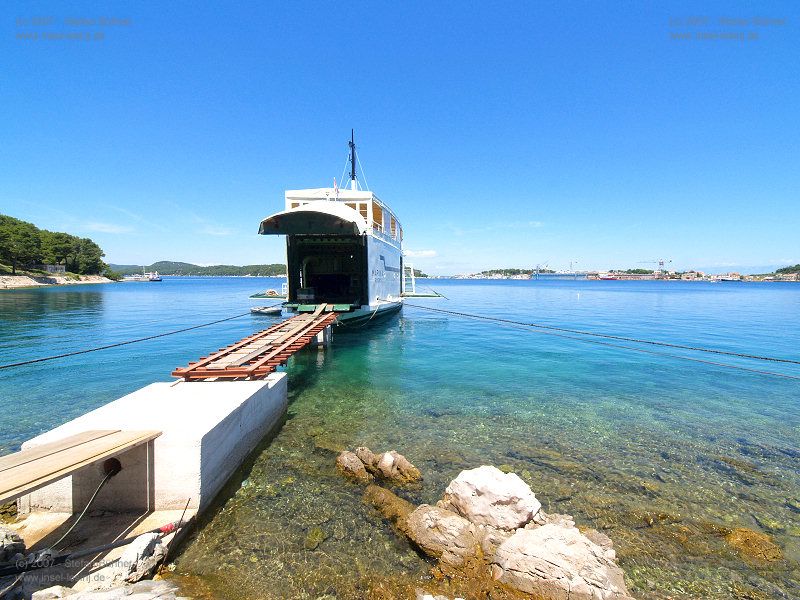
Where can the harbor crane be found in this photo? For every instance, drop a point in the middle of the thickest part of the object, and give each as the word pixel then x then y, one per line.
pixel 661 262
pixel 538 268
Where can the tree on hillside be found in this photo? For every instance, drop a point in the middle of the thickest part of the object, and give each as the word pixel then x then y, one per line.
pixel 58 247
pixel 788 270
pixel 90 258
pixel 20 242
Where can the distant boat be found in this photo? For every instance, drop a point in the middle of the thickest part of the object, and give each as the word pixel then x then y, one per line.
pixel 151 276
pixel 266 310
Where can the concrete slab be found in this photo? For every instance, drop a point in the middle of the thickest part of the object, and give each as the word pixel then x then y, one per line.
pixel 41 529
pixel 208 428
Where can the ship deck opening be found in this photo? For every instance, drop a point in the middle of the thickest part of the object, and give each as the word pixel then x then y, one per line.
pixel 327 269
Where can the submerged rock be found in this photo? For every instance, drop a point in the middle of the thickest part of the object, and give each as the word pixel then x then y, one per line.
pixel 557 562
pixel 754 545
pixel 487 496
pixel 390 505
pixel 350 465
pixel 443 534
pixel 314 538
pixel 397 468
pixel 390 466
pixel 423 595
pixel 366 456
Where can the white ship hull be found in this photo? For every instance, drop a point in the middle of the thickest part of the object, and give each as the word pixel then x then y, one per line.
pixel 345 252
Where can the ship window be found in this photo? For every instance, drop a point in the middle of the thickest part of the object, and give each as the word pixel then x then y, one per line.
pixel 362 208
pixel 394 228
pixel 401 234
pixel 295 204
pixel 377 217
pixel 351 205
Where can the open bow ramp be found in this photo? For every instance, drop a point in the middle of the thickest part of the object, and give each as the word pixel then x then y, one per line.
pixel 259 354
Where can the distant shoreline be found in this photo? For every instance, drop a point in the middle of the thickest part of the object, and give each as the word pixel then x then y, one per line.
pixel 15 282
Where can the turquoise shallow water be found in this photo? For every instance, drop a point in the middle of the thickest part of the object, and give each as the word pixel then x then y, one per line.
pixel 665 455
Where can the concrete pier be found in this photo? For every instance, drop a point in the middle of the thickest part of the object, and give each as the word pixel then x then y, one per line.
pixel 208 428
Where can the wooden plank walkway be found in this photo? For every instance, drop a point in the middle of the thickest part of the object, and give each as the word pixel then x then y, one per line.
pixel 28 470
pixel 259 354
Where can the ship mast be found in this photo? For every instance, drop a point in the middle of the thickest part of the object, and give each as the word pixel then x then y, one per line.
pixel 353 184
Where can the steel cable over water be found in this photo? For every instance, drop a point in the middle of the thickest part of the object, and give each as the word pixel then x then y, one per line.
pixel 541 328
pixel 562 332
pixel 117 344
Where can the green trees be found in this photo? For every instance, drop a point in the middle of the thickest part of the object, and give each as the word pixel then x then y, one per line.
pixel 23 244
pixel 166 267
pixel 788 270
pixel 20 243
pixel 58 248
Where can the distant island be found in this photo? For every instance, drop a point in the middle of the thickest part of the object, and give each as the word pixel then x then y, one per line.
pixel 167 267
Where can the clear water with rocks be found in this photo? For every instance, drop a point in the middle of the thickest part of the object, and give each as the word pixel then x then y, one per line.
pixel 663 454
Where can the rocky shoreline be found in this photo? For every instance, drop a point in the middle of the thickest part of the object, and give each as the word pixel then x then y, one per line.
pixel 489 534
pixel 10 282
pixel 485 537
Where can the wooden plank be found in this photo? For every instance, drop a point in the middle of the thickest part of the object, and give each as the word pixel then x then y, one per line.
pixel 263 352
pixel 31 476
pixel 266 348
pixel 216 355
pixel 282 348
pixel 25 456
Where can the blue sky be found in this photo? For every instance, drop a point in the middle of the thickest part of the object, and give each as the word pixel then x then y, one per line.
pixel 503 134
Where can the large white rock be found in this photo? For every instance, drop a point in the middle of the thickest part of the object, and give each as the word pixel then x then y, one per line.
pixel 487 496
pixel 442 534
pixel 559 563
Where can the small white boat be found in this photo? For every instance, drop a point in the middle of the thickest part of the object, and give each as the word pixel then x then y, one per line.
pixel 266 310
pixel 153 276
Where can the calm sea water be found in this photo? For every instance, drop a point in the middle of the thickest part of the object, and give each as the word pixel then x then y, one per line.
pixel 664 454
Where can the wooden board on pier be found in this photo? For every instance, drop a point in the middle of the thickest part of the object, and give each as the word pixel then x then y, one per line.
pixel 259 354
pixel 28 470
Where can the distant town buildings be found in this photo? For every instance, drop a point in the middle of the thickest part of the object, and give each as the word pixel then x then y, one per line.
pixel 633 275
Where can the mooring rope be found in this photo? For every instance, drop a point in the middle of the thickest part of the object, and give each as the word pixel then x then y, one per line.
pixel 118 344
pixel 609 336
pixel 542 328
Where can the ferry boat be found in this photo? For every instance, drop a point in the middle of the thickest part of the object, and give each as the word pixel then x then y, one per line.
pixel 150 276
pixel 344 248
